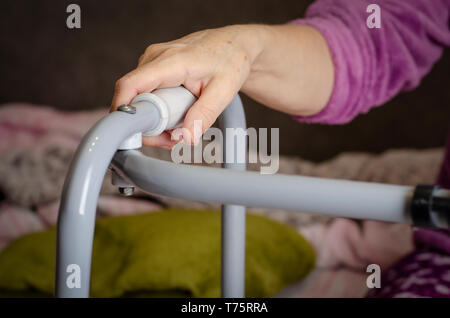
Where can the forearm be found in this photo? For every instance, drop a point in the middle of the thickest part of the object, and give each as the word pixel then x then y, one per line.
pixel 292 72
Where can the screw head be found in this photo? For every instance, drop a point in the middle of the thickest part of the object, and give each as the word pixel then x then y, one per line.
pixel 127 108
pixel 126 191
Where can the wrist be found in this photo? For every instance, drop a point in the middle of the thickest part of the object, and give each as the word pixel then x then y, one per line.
pixel 250 38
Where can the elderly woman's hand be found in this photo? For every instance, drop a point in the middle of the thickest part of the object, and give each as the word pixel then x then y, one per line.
pixel 212 64
pixel 286 67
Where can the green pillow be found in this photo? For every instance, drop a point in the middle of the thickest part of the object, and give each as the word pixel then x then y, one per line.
pixel 172 253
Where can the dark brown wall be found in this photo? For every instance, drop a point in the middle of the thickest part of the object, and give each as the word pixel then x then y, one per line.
pixel 41 61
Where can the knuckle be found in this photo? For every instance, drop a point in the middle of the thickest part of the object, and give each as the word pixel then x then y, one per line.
pixel 121 83
pixel 152 48
pixel 175 51
pixel 168 53
pixel 141 58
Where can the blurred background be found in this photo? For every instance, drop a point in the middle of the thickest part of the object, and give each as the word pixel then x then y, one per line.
pixel 44 62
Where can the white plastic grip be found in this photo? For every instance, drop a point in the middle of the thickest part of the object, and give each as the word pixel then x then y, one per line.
pixel 133 142
pixel 172 104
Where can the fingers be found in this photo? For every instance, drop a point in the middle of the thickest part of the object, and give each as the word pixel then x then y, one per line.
pixel 147 77
pixel 151 53
pixel 202 115
pixel 164 141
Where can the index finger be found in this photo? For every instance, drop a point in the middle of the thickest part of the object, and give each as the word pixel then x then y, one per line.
pixel 146 78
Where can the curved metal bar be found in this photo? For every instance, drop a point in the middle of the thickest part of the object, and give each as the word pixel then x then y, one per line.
pixel 232 187
pixel 81 190
pixel 80 195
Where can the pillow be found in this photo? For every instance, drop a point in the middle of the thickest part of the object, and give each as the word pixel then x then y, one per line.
pixel 172 253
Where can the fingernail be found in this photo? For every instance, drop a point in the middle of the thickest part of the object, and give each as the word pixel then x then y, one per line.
pixel 176 136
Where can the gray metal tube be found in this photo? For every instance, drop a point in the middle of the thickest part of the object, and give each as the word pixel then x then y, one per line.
pixel 233 187
pixel 233 216
pixel 80 195
pixel 337 198
pixel 76 219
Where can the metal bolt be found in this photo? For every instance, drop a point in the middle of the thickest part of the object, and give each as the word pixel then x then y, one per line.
pixel 127 108
pixel 126 191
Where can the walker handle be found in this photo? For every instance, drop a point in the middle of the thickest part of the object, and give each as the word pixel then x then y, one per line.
pixel 172 104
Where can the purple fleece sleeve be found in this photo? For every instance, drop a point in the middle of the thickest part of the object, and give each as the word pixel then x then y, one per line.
pixel 373 65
